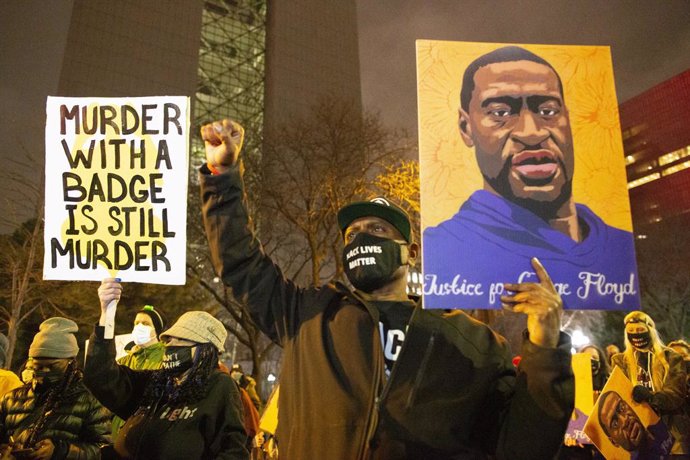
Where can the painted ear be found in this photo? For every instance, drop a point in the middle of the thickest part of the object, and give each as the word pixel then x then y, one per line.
pixel 465 128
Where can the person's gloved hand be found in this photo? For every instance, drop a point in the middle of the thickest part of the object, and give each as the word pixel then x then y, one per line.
pixel 641 394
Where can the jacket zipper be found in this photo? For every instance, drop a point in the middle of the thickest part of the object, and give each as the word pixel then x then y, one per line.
pixel 372 422
pixel 420 372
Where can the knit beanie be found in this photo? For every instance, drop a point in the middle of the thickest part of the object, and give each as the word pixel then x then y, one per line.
pixel 156 318
pixel 200 327
pixel 55 339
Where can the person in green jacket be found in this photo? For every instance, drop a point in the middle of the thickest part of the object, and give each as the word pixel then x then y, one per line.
pixel 147 352
pixel 53 415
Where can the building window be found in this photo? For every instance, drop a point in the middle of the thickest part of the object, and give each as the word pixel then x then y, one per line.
pixel 634 131
pixel 676 168
pixel 643 180
pixel 674 156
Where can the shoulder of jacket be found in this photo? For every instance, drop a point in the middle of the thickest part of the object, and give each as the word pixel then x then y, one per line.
pixel 16 396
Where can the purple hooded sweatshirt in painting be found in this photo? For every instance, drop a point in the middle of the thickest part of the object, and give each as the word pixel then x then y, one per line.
pixel 490 241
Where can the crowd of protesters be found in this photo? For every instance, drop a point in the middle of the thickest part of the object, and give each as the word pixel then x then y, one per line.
pixel 447 387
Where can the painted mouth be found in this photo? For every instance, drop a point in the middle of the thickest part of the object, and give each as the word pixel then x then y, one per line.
pixel 535 164
pixel 634 431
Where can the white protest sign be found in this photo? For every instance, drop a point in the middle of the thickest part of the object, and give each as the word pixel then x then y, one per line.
pixel 116 189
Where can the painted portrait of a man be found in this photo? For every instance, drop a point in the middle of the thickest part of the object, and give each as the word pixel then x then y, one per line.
pixel 514 116
pixel 624 429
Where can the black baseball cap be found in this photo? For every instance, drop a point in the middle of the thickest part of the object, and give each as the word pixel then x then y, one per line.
pixel 377 207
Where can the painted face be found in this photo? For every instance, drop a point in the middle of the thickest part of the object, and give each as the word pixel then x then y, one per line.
pixel 622 424
pixel 519 126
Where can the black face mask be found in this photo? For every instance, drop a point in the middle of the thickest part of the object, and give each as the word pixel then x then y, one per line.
pixel 178 358
pixel 370 261
pixel 596 365
pixel 640 341
pixel 43 381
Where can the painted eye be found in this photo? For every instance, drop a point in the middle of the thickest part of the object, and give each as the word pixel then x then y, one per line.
pixel 548 112
pixel 500 113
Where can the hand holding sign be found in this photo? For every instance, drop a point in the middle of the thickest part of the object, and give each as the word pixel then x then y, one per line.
pixel 541 303
pixel 109 293
pixel 223 140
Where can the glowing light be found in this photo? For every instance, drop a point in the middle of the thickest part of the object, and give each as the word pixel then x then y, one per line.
pixel 579 339
pixel 643 180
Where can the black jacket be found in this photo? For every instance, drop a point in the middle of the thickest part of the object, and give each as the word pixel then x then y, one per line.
pixel 452 393
pixel 78 425
pixel 207 429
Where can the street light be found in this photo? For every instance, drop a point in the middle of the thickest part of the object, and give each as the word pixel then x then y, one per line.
pixel 579 339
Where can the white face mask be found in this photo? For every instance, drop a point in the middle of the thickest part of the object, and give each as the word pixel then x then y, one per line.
pixel 141 334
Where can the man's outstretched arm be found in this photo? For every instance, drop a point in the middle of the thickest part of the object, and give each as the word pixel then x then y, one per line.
pixel 236 253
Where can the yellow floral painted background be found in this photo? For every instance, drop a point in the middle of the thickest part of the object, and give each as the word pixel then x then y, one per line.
pixel 448 170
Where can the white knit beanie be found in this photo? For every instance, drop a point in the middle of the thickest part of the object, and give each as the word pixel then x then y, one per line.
pixel 55 339
pixel 200 327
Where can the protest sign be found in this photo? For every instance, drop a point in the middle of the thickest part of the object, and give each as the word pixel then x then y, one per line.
pixel 623 429
pixel 116 189
pixel 584 400
pixel 521 156
pixel 121 342
pixel 269 418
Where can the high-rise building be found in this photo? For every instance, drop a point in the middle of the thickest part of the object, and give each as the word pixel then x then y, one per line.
pixel 258 61
pixel 656 141
pixel 231 69
pixel 131 48
pixel 84 48
pixel 264 62
pixel 312 53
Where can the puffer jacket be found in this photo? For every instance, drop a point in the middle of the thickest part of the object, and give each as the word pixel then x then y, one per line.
pixel 78 426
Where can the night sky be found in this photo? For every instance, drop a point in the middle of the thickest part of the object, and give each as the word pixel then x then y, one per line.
pixel 650 41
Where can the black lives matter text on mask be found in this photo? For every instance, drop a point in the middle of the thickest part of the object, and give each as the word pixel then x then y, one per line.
pixel 142 185
pixel 360 253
